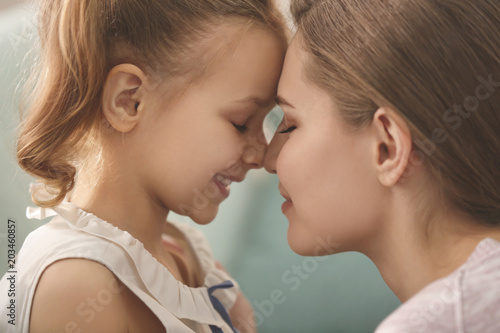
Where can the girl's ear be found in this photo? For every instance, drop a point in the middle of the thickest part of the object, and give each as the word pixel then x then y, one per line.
pixel 393 146
pixel 122 97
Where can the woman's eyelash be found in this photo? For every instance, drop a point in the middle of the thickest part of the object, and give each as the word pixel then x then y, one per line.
pixel 288 130
pixel 240 128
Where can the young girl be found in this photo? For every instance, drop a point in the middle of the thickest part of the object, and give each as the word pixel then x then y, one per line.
pixel 390 147
pixel 140 108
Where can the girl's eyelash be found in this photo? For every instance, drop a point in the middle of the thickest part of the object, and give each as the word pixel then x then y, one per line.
pixel 240 128
pixel 288 130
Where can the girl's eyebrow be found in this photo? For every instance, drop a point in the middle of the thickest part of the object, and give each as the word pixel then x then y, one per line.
pixel 260 102
pixel 283 102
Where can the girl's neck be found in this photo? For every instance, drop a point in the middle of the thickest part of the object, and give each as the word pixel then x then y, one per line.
pixel 124 204
pixel 129 208
pixel 416 252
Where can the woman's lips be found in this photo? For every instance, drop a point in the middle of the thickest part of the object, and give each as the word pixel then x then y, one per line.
pixel 286 206
pixel 288 203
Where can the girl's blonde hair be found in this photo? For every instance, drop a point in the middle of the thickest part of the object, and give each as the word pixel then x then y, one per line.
pixel 437 63
pixel 81 40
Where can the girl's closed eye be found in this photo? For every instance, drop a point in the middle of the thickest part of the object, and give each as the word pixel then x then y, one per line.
pixel 241 128
pixel 288 130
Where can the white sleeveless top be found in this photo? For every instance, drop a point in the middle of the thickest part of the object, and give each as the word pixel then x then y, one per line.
pixel 74 233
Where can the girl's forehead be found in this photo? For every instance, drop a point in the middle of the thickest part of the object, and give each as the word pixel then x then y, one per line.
pixel 251 60
pixel 244 79
pixel 231 42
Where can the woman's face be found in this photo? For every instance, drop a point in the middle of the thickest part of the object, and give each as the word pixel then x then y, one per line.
pixel 324 167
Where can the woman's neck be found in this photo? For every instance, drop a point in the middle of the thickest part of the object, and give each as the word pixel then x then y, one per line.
pixel 416 251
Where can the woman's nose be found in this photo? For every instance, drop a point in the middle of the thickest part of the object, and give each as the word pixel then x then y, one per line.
pixel 273 150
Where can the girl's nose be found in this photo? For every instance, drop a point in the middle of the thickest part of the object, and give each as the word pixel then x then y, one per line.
pixel 255 151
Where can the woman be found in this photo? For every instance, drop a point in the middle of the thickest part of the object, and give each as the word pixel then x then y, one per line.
pixel 389 146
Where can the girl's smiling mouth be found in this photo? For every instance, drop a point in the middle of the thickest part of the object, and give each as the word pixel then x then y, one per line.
pixel 223 183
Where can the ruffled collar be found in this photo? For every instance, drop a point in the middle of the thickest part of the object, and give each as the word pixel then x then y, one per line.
pixel 182 301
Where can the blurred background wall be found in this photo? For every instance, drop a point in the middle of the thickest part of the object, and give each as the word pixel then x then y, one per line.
pixel 343 293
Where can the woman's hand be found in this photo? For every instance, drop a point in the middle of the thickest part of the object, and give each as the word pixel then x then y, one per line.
pixel 241 313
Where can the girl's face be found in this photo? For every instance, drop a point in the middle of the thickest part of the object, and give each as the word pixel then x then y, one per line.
pixel 193 148
pixel 323 166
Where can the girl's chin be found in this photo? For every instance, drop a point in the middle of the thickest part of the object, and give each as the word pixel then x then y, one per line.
pixel 205 216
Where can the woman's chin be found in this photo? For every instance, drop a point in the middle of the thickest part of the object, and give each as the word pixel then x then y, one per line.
pixel 306 243
pixel 300 245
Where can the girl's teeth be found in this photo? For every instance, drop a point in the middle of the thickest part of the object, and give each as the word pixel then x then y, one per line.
pixel 224 181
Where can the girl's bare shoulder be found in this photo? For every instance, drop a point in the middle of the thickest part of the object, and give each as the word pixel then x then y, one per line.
pixel 87 297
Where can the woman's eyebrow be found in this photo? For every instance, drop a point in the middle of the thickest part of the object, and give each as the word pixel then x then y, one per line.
pixel 283 102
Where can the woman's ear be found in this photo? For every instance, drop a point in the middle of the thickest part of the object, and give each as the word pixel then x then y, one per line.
pixel 393 146
pixel 122 97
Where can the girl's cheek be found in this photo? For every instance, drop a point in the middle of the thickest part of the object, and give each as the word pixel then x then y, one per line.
pixel 232 152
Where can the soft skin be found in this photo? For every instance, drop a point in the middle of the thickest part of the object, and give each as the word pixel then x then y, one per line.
pixel 321 166
pixel 352 189
pixel 160 155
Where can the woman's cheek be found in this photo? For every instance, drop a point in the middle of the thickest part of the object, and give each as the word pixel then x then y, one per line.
pixel 285 162
pixel 293 166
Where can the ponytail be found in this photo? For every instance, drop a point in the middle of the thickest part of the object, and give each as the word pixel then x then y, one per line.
pixel 66 100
